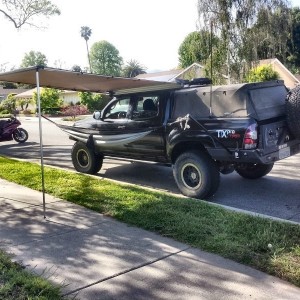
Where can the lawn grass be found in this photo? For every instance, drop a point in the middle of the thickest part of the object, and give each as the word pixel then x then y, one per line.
pixel 267 245
pixel 18 284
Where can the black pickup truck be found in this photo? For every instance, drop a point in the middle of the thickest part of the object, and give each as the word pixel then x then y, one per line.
pixel 199 129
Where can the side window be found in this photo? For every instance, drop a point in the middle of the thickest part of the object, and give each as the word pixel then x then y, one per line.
pixel 191 102
pixel 146 107
pixel 117 110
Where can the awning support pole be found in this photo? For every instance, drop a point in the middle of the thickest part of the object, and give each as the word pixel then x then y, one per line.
pixel 41 139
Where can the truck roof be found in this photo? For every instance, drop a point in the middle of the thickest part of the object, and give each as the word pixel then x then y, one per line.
pixel 258 100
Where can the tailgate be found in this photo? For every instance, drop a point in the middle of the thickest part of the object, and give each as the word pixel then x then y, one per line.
pixel 274 136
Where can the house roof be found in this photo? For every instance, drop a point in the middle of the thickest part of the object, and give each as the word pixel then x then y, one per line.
pixel 297 76
pixel 276 61
pixel 160 76
pixel 168 76
pixel 5 92
pixel 27 94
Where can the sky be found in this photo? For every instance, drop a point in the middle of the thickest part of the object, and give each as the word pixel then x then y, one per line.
pixel 149 31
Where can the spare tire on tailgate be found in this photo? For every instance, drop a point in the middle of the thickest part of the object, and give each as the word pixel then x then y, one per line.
pixel 293 111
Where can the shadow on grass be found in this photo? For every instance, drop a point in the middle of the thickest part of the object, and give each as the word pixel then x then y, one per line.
pixel 111 247
pixel 240 237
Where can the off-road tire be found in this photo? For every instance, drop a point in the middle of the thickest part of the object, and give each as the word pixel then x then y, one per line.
pixel 196 174
pixel 85 160
pixel 20 135
pixel 293 111
pixel 253 171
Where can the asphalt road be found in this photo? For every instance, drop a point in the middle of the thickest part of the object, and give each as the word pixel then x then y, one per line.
pixel 276 195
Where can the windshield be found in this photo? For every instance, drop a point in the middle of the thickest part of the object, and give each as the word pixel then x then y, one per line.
pixel 118 109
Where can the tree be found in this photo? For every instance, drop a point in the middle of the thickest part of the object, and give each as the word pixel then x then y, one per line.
pixel 105 59
pixel 262 73
pixel 21 12
pixel 94 101
pixel 267 42
pixel 234 23
pixel 49 99
pixel 132 69
pixel 215 67
pixel 76 68
pixel 9 85
pixel 196 48
pixel 294 40
pixel 24 103
pixel 86 34
pixel 59 64
pixel 34 58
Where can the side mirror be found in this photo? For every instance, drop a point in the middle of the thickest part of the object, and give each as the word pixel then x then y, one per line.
pixel 97 115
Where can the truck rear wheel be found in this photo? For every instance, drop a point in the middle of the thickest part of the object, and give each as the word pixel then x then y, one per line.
pixel 85 160
pixel 293 111
pixel 253 171
pixel 196 174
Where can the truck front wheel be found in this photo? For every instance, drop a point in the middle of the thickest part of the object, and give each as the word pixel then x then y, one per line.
pixel 253 171
pixel 196 174
pixel 85 160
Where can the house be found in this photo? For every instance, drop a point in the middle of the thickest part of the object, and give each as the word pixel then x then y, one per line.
pixel 196 70
pixel 193 71
pixel 68 97
pixel 290 80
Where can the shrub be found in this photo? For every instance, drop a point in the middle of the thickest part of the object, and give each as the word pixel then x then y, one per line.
pixel 50 101
pixel 5 116
pixel 4 111
pixel 262 73
pixel 9 104
pixel 51 111
pixel 94 101
pixel 74 110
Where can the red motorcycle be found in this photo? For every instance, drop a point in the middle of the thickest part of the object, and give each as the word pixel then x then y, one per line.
pixel 9 130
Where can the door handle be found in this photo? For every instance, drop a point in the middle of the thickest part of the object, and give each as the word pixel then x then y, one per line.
pixel 121 127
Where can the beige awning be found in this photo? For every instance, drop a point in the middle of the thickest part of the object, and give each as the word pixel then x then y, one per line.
pixel 77 81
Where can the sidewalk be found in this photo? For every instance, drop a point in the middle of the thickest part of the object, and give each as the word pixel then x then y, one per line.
pixel 96 257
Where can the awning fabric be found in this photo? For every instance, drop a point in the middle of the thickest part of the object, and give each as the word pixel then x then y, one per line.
pixel 77 81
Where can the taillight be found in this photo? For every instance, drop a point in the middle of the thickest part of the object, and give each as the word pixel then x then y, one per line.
pixel 250 137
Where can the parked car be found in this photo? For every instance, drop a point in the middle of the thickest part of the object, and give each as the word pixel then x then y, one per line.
pixel 199 129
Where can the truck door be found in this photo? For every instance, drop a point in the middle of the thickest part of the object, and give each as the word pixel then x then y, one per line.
pixel 146 116
pixel 113 135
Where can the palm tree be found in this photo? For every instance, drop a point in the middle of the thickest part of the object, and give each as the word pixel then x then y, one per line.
pixel 133 68
pixel 86 32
